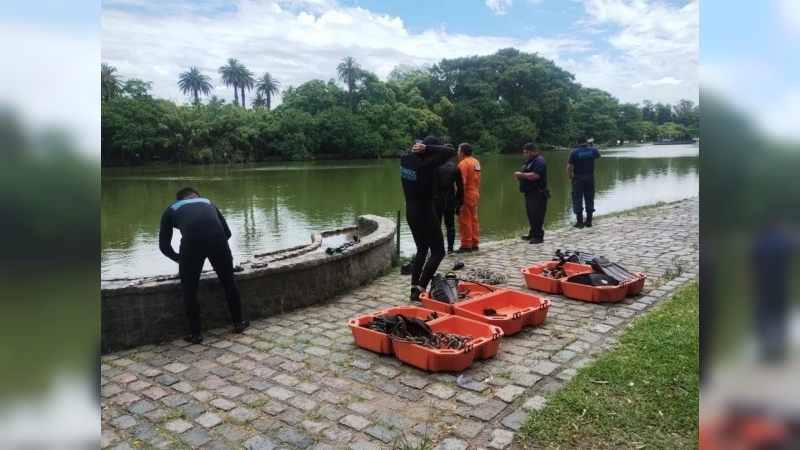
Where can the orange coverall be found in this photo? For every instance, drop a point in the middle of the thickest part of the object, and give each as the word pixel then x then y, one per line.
pixel 468 217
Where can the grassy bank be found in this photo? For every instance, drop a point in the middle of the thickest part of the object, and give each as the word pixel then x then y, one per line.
pixel 643 393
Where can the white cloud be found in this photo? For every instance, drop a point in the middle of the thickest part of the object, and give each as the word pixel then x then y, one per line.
pixel 788 12
pixel 653 50
pixel 306 42
pixel 499 6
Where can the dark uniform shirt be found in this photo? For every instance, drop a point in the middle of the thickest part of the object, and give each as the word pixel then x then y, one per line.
pixel 536 165
pixel 582 159
pixel 198 221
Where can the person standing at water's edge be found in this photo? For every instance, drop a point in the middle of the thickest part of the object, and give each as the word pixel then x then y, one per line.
pixel 580 170
pixel 204 234
pixel 468 217
pixel 533 184
pixel 448 195
pixel 418 172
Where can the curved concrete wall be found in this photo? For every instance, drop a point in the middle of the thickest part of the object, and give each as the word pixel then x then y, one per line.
pixel 147 313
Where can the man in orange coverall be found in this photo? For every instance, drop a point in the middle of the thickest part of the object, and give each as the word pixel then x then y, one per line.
pixel 468 217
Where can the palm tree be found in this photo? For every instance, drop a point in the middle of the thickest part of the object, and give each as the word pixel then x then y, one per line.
pixel 245 80
pixel 349 72
pixel 259 101
pixel 268 86
pixel 229 77
pixel 195 82
pixel 110 84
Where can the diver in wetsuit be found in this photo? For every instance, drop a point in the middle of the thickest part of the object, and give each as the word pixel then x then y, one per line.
pixel 448 195
pixel 418 172
pixel 204 234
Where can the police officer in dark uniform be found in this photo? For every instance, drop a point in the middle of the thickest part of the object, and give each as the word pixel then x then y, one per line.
pixel 580 169
pixel 533 184
pixel 204 234
pixel 418 173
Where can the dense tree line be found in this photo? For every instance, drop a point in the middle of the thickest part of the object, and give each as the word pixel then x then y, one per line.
pixel 496 102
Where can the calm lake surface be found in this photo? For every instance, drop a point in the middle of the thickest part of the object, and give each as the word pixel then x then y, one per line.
pixel 270 206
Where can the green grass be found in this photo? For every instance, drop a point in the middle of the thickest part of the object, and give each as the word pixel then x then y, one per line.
pixel 643 393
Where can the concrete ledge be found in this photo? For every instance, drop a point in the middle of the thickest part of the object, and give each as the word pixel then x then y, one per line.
pixel 152 311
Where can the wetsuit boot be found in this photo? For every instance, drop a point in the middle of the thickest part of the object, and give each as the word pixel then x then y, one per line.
pixel 588 222
pixel 579 221
pixel 451 239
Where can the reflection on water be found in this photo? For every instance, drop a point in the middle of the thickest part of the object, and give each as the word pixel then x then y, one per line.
pixel 270 206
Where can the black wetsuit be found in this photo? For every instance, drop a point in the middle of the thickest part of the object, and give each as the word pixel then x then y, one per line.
pixel 204 234
pixel 448 194
pixel 418 173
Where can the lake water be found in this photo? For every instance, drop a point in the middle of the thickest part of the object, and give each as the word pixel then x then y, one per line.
pixel 276 205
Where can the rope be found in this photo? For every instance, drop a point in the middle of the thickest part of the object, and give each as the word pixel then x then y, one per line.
pixel 483 275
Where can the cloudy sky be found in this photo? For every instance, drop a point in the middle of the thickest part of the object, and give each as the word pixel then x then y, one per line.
pixel 634 49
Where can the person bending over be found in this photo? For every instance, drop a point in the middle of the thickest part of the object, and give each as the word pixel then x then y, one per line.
pixel 204 234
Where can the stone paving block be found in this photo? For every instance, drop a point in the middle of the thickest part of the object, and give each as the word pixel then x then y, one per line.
pixel 515 420
pixel 273 408
pixel 469 429
pixel 393 421
pixel 209 420
pixel 241 415
pixel 440 391
pixel 167 379
pixel 509 393
pixel 451 444
pixel 223 404
pixel 544 367
pixel 501 439
pixel 123 422
pixel 141 407
pixel 177 426
pixel 279 393
pixel 230 391
pixel 294 436
pixel 355 422
pixel 488 409
pixel 562 356
pixel 125 398
pixel 196 437
pixel 259 443
pixel 381 433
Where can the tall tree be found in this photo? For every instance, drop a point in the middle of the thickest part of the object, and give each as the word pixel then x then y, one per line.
pixel 245 80
pixel 195 82
pixel 110 84
pixel 259 101
pixel 229 77
pixel 349 72
pixel 136 88
pixel 268 86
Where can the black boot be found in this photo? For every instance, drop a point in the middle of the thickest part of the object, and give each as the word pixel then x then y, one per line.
pixel 588 222
pixel 579 220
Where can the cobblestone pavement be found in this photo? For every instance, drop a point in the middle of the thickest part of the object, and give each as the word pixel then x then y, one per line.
pixel 297 380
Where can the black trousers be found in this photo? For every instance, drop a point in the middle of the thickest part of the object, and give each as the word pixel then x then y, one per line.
pixel 427 234
pixel 193 255
pixel 583 192
pixel 445 206
pixel 535 208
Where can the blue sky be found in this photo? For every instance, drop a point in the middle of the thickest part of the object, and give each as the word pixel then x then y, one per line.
pixel 634 49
